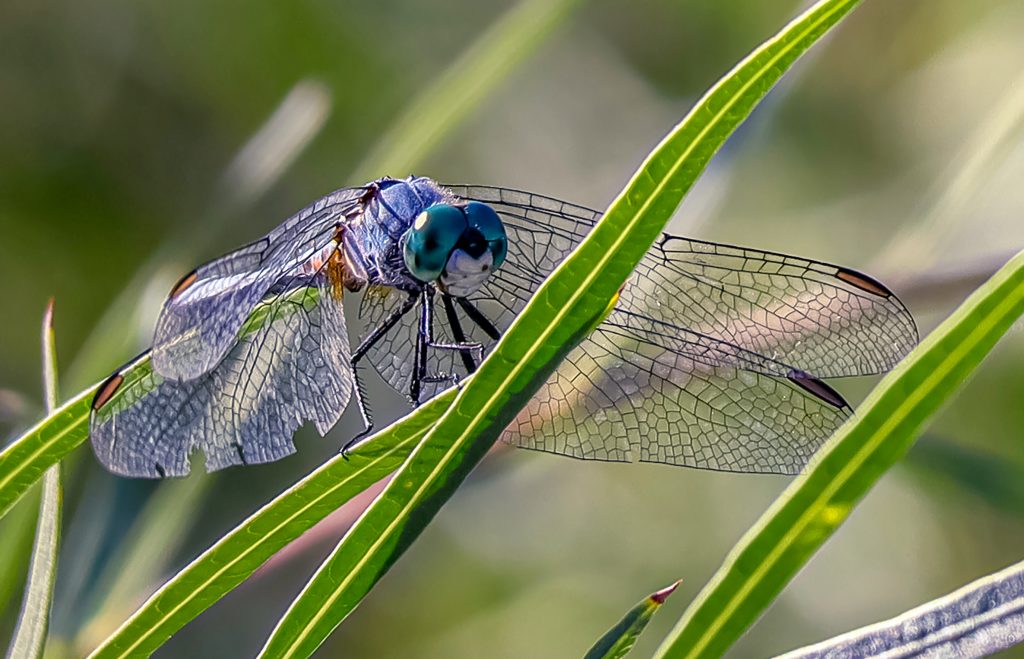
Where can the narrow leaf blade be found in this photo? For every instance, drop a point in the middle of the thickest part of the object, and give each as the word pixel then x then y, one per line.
pixel 560 313
pixel 819 500
pixel 240 552
pixel 620 639
pixel 29 638
pixel 26 459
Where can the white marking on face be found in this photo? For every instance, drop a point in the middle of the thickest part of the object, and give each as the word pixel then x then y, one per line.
pixel 421 221
pixel 463 274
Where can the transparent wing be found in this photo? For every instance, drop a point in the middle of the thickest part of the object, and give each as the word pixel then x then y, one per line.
pixel 619 396
pixel 289 365
pixel 200 320
pixel 393 355
pixel 820 318
pixel 707 359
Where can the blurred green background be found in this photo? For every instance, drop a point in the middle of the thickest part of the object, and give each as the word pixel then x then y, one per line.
pixel 145 137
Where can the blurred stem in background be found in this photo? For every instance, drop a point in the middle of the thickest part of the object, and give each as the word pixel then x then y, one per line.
pixel 256 167
pixel 916 249
pixel 29 638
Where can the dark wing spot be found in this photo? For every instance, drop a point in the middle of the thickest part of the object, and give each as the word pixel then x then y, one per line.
pixel 863 282
pixel 817 388
pixel 160 470
pixel 182 284
pixel 107 390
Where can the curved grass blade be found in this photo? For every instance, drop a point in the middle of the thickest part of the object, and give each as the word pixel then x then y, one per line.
pixel 462 87
pixel 561 312
pixel 980 619
pixel 26 459
pixel 819 500
pixel 239 553
pixel 30 633
pixel 620 639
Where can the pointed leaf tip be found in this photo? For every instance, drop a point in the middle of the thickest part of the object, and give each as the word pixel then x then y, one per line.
pixel 660 596
pixel 48 315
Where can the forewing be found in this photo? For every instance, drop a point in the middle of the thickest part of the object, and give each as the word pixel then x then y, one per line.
pixel 200 320
pixel 821 318
pixel 289 365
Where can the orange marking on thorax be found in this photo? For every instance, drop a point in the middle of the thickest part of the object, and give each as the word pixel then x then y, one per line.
pixel 336 273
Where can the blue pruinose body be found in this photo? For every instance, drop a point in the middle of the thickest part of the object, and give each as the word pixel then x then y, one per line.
pixel 714 356
pixel 375 237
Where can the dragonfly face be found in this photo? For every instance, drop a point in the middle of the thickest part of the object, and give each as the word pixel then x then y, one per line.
pixel 712 358
pixel 457 246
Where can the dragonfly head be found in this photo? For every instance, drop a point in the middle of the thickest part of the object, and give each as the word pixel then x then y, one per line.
pixel 456 245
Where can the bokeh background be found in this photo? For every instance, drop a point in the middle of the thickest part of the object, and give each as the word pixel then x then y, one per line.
pixel 140 138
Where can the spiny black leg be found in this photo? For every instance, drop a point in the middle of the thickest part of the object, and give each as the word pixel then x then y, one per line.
pixel 420 367
pixel 383 328
pixel 460 336
pixel 461 346
pixel 364 347
pixel 425 341
pixel 364 412
pixel 479 318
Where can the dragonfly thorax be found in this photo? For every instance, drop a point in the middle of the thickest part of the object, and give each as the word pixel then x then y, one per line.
pixel 457 246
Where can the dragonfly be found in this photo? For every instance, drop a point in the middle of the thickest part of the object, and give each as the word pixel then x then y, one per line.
pixel 714 356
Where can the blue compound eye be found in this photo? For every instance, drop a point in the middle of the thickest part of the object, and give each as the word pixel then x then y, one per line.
pixel 430 241
pixel 483 218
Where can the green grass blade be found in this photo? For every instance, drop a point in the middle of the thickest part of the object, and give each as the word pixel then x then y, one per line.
pixel 620 639
pixel 463 86
pixel 570 301
pixel 30 633
pixel 27 458
pixel 239 553
pixel 820 499
pixel 978 620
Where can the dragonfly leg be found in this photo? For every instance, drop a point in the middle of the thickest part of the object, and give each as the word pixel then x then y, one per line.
pixel 364 412
pixel 465 348
pixel 419 370
pixel 357 355
pixel 425 341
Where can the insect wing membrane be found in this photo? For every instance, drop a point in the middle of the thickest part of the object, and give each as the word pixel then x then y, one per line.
pixel 290 365
pixel 695 367
pixel 200 320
